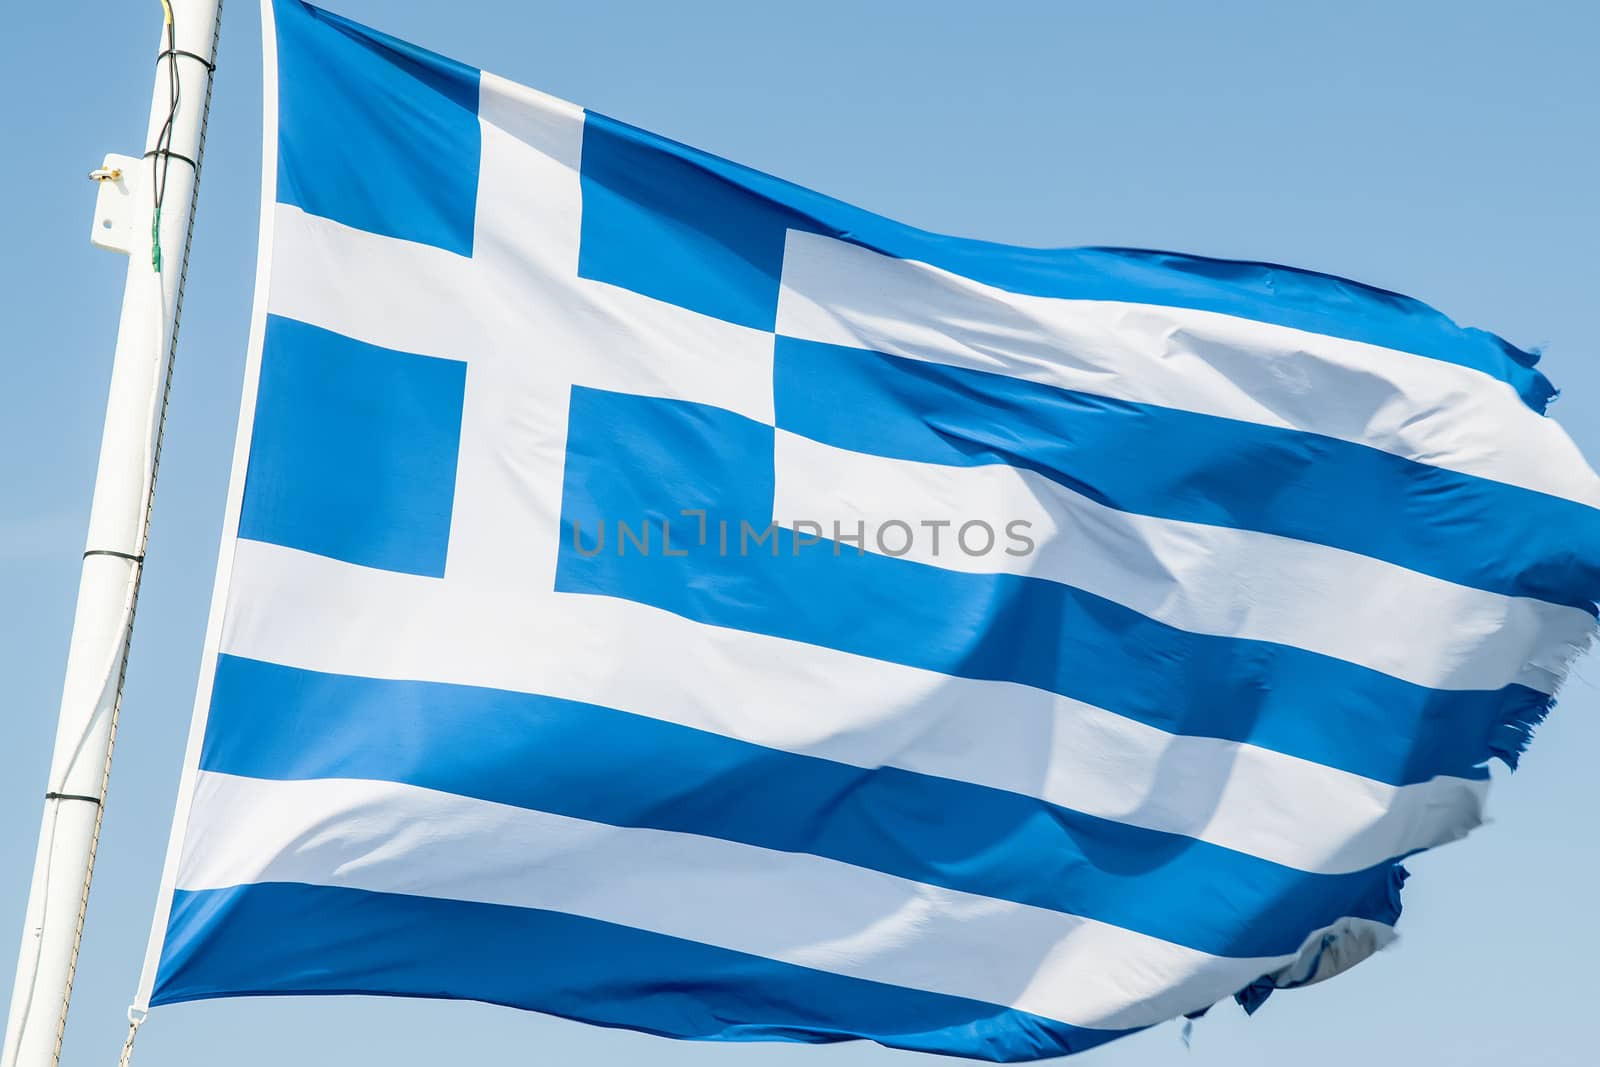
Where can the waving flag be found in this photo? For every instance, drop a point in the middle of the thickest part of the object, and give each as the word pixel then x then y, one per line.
pixel 661 596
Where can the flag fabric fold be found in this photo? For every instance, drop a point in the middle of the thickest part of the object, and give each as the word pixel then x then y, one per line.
pixel 661 596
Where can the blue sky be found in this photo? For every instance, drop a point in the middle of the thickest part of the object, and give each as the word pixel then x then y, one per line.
pixel 1446 150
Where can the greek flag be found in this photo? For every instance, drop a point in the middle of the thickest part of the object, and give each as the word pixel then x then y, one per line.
pixel 660 596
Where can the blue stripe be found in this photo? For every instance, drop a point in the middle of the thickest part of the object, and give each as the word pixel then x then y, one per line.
pixel 635 459
pixel 357 110
pixel 695 230
pixel 1197 468
pixel 558 756
pixel 282 939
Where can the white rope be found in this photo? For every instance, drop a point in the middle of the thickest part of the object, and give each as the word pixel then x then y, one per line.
pixel 136 1019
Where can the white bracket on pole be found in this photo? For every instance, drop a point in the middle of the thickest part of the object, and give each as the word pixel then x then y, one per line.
pixel 120 179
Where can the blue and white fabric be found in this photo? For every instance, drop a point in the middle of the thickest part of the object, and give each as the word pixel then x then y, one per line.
pixel 661 596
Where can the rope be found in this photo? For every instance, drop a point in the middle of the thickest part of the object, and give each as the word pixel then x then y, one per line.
pixel 136 1019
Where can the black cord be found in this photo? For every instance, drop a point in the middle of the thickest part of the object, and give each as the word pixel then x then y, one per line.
pixel 131 557
pixel 197 57
pixel 163 147
pixel 73 796
pixel 173 155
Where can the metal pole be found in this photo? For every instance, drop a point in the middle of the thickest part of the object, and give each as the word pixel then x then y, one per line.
pixel 118 522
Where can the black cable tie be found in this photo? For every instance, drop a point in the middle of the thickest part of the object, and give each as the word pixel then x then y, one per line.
pixel 72 796
pixel 170 154
pixel 202 60
pixel 129 556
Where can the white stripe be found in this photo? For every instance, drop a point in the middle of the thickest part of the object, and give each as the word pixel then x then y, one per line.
pixel 1423 409
pixel 1204 579
pixel 815 701
pixel 792 907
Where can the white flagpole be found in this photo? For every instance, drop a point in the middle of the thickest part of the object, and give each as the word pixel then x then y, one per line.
pixel 118 522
